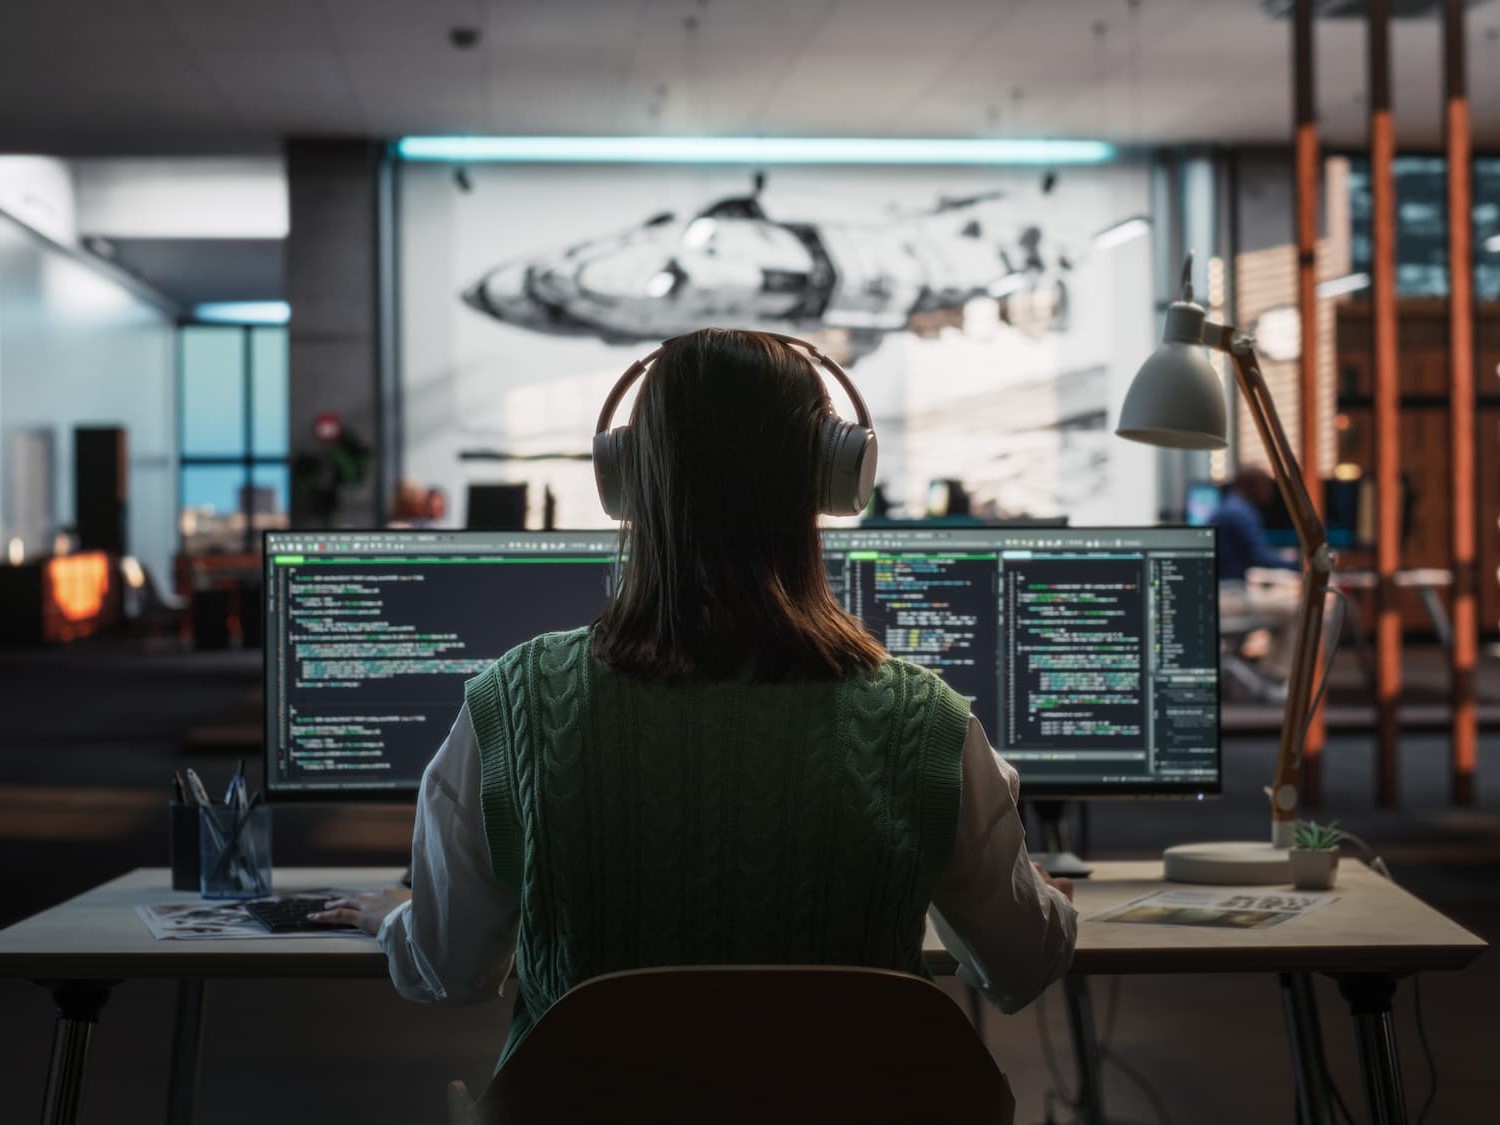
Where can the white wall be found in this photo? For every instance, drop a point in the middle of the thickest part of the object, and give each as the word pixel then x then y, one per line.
pixel 78 348
pixel 38 190
pixel 194 197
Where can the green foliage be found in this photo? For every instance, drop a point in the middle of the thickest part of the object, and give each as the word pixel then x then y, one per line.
pixel 1317 837
pixel 323 473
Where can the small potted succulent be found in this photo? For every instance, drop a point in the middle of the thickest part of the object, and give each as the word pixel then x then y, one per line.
pixel 1315 854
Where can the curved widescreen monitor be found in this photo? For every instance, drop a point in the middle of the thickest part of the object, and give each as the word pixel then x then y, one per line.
pixel 1090 655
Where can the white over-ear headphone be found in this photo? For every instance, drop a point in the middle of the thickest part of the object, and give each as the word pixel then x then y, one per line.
pixel 846 450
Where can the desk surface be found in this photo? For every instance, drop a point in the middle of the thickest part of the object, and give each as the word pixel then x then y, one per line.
pixel 1374 927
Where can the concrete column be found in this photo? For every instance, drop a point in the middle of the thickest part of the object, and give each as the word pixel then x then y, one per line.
pixel 333 285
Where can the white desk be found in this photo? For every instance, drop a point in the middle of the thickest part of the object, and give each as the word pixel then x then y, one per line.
pixel 1375 933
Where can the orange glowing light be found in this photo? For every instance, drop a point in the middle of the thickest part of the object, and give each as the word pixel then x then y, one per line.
pixel 79 585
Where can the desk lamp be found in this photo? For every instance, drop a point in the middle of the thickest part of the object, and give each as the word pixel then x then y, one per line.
pixel 1177 401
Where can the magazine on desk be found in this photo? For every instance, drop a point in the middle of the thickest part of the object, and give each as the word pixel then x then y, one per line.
pixel 1235 910
pixel 225 921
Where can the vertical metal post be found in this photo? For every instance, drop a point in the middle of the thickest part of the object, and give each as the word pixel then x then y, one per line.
pixel 1309 1069
pixel 187 1036
pixel 1307 199
pixel 1387 405
pixel 1369 1000
pixel 1076 992
pixel 1086 1047
pixel 1463 652
pixel 78 1007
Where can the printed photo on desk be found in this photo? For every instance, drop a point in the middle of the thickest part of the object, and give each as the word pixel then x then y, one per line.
pixel 222 921
pixel 1234 910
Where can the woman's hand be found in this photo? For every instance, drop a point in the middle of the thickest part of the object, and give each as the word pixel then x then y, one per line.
pixel 367 910
pixel 1063 884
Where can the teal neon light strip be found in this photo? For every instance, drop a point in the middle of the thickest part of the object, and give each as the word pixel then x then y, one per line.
pixel 752 150
pixel 243 312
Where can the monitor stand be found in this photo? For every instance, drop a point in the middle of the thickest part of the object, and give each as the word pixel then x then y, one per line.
pixel 1057 860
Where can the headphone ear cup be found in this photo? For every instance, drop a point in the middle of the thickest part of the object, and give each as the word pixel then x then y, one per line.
pixel 609 470
pixel 847 459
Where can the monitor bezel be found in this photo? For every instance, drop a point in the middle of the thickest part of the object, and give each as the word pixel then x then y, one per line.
pixel 1030 790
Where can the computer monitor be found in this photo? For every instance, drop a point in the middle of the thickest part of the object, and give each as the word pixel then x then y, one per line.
pixel 496 507
pixel 1091 656
pixel 1341 503
pixel 371 635
pixel 1202 502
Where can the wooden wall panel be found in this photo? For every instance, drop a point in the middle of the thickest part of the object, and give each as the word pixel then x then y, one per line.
pixel 1423 377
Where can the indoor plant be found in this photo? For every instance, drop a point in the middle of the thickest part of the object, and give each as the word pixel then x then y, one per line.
pixel 340 459
pixel 1315 854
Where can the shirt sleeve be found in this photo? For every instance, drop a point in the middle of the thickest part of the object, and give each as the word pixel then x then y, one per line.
pixel 1012 934
pixel 453 943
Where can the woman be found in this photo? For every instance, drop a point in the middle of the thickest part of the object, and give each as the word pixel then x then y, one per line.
pixel 725 768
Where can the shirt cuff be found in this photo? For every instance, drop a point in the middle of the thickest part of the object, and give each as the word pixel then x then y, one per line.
pixel 383 935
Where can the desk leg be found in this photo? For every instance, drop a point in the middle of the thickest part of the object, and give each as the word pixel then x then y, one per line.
pixel 1306 1038
pixel 1085 1048
pixel 182 1090
pixel 1369 998
pixel 78 1005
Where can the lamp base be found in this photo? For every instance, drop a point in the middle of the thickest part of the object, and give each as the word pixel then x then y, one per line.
pixel 1235 864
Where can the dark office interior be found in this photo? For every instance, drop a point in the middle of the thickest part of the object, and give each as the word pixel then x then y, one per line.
pixel 1176 325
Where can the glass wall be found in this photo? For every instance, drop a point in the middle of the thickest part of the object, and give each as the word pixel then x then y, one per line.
pixel 1422 224
pixel 233 478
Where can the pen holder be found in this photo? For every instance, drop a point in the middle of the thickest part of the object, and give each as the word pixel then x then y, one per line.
pixel 234 852
pixel 182 845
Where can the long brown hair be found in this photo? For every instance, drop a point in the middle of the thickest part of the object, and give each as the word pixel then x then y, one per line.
pixel 723 571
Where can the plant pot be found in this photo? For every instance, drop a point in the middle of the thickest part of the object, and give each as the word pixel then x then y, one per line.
pixel 1314 869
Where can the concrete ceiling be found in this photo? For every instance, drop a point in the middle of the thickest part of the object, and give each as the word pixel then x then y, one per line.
pixel 193 270
pixel 214 76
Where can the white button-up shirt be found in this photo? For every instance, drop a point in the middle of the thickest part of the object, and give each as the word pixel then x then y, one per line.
pixel 454 942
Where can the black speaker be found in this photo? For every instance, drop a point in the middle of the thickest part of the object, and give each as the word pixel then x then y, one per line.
pixel 100 488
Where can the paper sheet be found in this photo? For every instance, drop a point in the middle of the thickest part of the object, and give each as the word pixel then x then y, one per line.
pixel 223 921
pixel 1235 910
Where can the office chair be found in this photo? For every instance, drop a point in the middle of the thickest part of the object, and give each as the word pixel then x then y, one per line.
pixel 149 608
pixel 740 1044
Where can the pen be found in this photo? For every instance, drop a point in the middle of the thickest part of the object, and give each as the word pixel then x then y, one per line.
pixel 195 786
pixel 235 783
pixel 231 851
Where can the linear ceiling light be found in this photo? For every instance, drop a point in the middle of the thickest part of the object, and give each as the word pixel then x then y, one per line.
pixel 243 312
pixel 752 150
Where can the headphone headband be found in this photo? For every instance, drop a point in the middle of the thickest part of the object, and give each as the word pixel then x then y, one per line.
pixel 847 450
pixel 823 359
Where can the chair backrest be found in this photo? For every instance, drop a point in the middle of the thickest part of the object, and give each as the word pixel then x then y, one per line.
pixel 751 1043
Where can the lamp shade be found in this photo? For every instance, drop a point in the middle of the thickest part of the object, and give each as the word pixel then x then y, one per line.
pixel 1177 399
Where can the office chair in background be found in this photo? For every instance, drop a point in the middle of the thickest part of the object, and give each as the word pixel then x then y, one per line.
pixel 747 1043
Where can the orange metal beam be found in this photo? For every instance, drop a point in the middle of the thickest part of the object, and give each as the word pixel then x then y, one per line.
pixel 1387 406
pixel 1306 187
pixel 1464 731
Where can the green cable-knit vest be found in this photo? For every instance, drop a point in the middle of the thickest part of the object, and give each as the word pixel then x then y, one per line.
pixel 645 823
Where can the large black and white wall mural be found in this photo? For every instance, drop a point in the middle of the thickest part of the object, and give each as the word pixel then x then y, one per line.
pixel 990 328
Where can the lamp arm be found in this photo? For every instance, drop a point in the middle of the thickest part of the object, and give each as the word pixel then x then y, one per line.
pixel 1318 563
